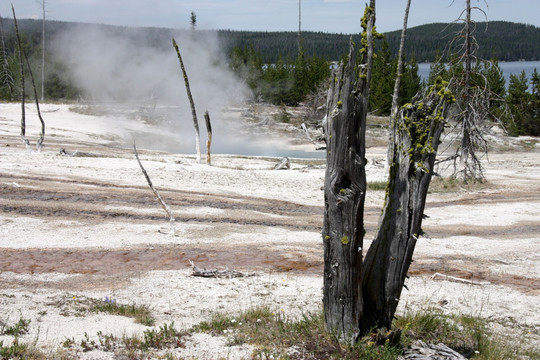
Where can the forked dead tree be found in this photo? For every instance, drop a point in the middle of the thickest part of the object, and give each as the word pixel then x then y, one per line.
pixel 362 294
pixel 191 102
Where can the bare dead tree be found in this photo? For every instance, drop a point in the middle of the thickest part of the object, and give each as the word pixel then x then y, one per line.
pixel 39 144
pixel 191 103
pixel 362 294
pixel 156 193
pixel 416 141
pixel 399 75
pixel 43 54
pixel 209 137
pixel 472 100
pixel 23 95
pixel 345 188
pixel 22 58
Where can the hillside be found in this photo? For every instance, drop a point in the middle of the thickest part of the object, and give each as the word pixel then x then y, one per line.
pixel 496 39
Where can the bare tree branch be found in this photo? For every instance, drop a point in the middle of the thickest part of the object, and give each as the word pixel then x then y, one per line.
pixel 156 193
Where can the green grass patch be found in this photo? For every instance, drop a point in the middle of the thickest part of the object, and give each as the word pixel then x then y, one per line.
pixel 140 313
pixel 275 336
pixel 377 185
pixel 21 327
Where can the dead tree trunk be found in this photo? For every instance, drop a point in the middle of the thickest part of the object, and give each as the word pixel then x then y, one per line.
pixel 345 187
pixel 360 295
pixel 466 136
pixel 156 193
pixel 399 75
pixel 23 95
pixel 22 58
pixel 191 103
pixel 209 137
pixel 387 262
pixel 39 144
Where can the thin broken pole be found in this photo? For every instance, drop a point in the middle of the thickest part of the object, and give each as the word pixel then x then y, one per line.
pixel 209 137
pixel 21 64
pixel 39 144
pixel 161 201
pixel 191 103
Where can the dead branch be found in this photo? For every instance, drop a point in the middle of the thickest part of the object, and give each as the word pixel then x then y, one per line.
pixel 163 204
pixel 214 273
pixel 423 351
pixel 456 279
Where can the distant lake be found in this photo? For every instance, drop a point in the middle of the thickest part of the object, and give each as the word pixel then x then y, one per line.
pixel 508 68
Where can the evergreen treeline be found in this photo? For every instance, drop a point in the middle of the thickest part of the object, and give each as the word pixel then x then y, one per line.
pixel 505 41
pixel 278 72
pixel 501 40
pixel 496 40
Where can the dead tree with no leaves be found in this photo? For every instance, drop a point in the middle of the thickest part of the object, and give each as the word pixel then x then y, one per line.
pixel 358 294
pixel 345 188
pixel 191 103
pixel 209 137
pixel 22 58
pixel 154 190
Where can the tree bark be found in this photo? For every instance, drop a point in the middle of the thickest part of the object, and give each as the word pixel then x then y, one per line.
pixel 344 189
pixel 387 262
pixel 466 135
pixel 191 103
pixel 399 75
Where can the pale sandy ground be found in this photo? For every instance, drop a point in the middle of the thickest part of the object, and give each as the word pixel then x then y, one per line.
pixel 89 227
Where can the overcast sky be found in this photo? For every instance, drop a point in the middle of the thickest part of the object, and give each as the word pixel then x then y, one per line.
pixel 337 16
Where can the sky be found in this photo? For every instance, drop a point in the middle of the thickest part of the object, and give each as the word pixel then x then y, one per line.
pixel 333 16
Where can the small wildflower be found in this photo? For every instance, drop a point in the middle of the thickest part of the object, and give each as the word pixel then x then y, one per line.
pixel 233 321
pixel 258 320
pixel 240 324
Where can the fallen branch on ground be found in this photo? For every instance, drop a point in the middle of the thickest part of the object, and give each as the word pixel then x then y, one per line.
pixel 423 351
pixel 214 273
pixel 456 279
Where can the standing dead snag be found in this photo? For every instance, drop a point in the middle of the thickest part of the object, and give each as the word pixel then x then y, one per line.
pixel 345 187
pixel 361 295
pixel 209 138
pixel 418 130
pixel 22 58
pixel 191 103
pixel 163 204
pixel 23 95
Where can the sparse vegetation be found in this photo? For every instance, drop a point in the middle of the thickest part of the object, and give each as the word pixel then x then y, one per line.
pixel 273 335
pixel 17 329
pixel 140 313
pixel 451 184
